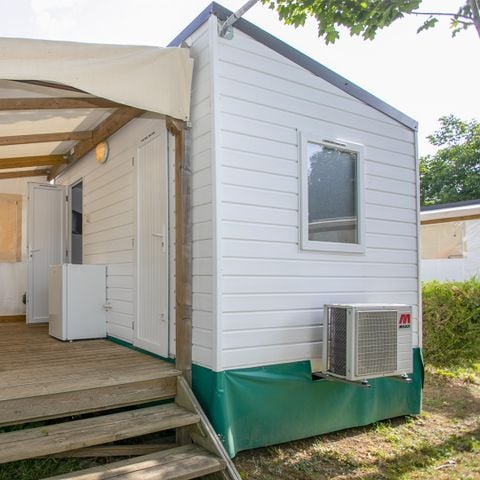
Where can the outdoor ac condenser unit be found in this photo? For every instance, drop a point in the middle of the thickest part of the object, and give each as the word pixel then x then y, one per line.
pixel 364 341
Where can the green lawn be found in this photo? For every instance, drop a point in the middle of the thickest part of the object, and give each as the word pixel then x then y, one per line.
pixel 442 443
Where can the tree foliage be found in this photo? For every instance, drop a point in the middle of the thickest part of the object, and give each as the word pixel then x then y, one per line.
pixel 366 17
pixel 453 173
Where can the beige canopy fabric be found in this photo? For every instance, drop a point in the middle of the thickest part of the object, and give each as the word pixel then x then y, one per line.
pixel 149 78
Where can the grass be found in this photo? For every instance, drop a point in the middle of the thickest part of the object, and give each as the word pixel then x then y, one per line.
pixel 442 443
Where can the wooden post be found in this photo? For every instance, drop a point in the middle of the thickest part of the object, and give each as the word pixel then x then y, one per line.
pixel 183 248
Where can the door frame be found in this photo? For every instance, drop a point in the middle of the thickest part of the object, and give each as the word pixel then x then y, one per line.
pixel 69 218
pixel 30 250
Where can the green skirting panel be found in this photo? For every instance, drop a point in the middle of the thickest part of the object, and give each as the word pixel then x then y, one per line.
pixel 255 407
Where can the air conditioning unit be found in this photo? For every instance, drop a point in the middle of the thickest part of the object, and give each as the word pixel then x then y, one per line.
pixel 364 341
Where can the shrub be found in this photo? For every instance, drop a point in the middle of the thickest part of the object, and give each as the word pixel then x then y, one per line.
pixel 451 323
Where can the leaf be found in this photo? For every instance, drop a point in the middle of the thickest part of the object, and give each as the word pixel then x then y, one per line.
pixel 430 23
pixel 359 17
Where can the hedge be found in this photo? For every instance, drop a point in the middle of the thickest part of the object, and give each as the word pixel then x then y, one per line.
pixel 451 323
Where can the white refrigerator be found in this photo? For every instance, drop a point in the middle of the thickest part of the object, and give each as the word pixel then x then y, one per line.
pixel 77 301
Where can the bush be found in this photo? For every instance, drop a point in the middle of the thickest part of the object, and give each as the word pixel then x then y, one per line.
pixel 451 323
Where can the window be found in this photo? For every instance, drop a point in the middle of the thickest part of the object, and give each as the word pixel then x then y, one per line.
pixel 332 217
pixel 10 228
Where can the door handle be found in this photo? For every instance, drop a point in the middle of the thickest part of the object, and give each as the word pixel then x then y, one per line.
pixel 162 236
pixel 33 250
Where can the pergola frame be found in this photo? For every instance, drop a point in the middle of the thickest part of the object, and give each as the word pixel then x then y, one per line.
pixel 87 141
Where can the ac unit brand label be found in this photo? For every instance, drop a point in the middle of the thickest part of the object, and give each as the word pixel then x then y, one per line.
pixel 405 320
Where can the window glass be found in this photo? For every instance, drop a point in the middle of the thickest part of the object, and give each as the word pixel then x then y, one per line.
pixel 332 194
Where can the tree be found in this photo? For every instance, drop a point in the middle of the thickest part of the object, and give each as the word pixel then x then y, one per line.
pixel 366 17
pixel 453 173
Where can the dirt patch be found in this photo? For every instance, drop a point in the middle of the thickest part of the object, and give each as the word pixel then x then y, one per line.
pixel 442 443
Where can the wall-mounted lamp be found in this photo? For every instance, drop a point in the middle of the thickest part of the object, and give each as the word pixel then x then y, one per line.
pixel 101 152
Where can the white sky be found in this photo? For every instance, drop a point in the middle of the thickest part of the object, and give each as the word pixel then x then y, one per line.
pixel 425 76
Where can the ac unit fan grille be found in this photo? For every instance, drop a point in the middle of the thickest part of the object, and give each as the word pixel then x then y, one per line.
pixel 337 340
pixel 376 342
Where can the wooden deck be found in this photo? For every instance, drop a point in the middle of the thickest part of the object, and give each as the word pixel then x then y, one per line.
pixel 41 377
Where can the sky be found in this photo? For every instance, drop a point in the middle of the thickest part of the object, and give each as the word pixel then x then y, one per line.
pixel 424 75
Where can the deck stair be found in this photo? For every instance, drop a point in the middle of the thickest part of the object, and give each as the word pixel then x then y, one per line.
pixel 98 399
pixel 179 463
pixel 62 437
pixel 196 453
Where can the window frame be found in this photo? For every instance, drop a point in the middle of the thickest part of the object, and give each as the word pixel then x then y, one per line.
pixel 331 140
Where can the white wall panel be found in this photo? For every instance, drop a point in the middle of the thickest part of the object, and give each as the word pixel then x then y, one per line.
pixel 272 292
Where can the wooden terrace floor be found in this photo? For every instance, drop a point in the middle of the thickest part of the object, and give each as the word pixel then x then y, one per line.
pixel 42 377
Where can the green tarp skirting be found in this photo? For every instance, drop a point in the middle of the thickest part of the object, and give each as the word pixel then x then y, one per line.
pixel 255 407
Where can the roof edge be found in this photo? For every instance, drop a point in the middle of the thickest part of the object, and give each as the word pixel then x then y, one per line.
pixel 199 20
pixel 297 57
pixel 451 205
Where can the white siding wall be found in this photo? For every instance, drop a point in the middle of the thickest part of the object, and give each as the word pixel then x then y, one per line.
pixel 272 293
pixel 109 219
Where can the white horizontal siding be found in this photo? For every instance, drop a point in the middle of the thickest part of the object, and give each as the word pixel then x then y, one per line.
pixel 272 292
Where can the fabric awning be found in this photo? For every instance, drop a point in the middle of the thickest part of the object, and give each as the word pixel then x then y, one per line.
pixel 149 78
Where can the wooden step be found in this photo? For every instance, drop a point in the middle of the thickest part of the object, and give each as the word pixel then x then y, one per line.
pixel 182 463
pixel 62 437
pixel 35 404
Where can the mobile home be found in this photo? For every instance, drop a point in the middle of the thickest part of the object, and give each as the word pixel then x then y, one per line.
pixel 451 241
pixel 227 215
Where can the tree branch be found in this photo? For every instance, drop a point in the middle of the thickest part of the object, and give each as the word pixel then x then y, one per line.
pixel 436 14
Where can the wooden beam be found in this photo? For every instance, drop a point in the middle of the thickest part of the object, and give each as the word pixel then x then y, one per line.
pixel 44 137
pixel 12 318
pixel 116 450
pixel 203 433
pixel 58 86
pixel 35 161
pixel 108 127
pixel 183 251
pixel 14 104
pixel 25 173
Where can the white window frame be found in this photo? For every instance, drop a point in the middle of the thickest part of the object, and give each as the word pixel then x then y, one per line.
pixel 336 141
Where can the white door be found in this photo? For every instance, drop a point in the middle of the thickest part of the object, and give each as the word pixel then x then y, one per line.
pixel 46 244
pixel 151 326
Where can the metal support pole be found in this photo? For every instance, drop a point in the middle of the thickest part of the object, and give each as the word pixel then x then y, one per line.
pixel 225 29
